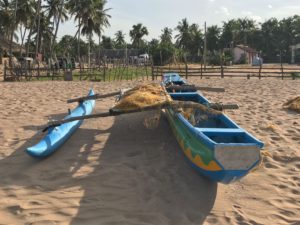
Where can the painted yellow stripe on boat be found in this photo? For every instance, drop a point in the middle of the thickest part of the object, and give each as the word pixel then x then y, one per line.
pixel 212 166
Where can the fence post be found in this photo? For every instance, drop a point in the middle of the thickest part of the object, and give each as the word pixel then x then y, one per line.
pixel 104 73
pixel 186 71
pixel 201 71
pixel 5 68
pixel 146 67
pixel 282 74
pixel 222 71
pixel 161 72
pixel 39 74
pixel 152 72
pixel 259 72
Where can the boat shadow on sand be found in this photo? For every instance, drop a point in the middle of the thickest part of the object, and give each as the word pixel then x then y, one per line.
pixel 127 174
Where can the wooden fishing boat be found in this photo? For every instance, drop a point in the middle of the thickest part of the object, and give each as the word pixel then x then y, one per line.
pixel 58 135
pixel 213 144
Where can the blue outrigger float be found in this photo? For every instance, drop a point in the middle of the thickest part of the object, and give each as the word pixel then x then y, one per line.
pixel 58 135
pixel 214 145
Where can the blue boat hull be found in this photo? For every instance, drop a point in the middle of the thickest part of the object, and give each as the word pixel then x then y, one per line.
pixel 57 136
pixel 213 144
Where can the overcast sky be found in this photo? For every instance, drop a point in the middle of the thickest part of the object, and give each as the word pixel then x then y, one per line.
pixel 157 14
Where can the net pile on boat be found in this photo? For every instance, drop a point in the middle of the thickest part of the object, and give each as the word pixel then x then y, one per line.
pixel 142 96
pixel 293 104
pixel 154 94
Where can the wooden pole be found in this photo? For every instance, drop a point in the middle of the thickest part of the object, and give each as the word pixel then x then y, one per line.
pixel 259 72
pixel 161 62
pixel 96 96
pixel 205 47
pixel 193 88
pixel 12 33
pixel 38 28
pixel 213 108
pixel 152 72
pixel 5 71
pixel 127 71
pixel 39 74
pixel 222 71
pixel 201 71
pixel 282 74
pixel 146 67
pixel 186 70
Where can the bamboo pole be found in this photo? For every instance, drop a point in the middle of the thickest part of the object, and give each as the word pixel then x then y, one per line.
pixel 213 108
pixel 192 88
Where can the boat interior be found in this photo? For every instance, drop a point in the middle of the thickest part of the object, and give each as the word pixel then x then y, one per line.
pixel 217 128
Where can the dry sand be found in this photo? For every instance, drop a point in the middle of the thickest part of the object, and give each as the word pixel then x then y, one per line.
pixel 114 171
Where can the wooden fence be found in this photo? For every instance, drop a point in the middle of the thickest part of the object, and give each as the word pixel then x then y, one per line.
pixel 283 72
pixel 111 72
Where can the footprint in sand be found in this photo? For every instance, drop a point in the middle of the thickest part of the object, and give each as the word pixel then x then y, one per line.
pixel 271 166
pixel 276 138
pixel 15 209
pixel 296 138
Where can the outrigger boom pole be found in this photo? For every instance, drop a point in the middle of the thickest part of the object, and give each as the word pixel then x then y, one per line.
pixel 176 105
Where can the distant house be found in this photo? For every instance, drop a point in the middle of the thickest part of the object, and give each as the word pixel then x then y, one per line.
pixel 295 50
pixel 244 54
pixel 4 48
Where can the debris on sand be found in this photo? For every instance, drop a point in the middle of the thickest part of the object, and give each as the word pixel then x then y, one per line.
pixel 293 104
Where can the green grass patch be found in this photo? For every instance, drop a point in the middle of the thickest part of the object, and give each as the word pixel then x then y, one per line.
pixel 295 75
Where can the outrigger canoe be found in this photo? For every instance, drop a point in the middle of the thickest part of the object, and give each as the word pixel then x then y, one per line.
pixel 57 136
pixel 214 145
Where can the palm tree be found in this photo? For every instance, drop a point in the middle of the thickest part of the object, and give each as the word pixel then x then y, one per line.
pixel 229 29
pixel 56 10
pixel 183 38
pixel 76 9
pixel 269 42
pixel 119 39
pixel 107 42
pixel 6 18
pixel 166 36
pixel 24 15
pixel 38 27
pixel 246 26
pixel 13 27
pixel 163 52
pixel 102 21
pixel 196 42
pixel 213 36
pixel 43 33
pixel 137 33
pixel 91 17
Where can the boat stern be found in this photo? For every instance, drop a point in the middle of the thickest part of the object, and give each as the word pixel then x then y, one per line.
pixel 236 157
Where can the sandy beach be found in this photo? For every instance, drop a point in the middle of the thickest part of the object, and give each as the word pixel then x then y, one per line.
pixel 115 171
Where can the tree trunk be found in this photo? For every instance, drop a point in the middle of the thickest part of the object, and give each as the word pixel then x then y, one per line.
pixel 22 39
pixel 99 58
pixel 78 44
pixel 56 29
pixel 14 23
pixel 28 41
pixel 38 30
pixel 89 57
